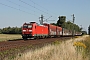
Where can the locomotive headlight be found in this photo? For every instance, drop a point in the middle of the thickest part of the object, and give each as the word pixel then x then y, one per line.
pixel 30 30
pixel 24 30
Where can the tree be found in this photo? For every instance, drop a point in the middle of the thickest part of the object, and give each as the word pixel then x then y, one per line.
pixel 0 31
pixel 89 30
pixel 84 32
pixel 61 21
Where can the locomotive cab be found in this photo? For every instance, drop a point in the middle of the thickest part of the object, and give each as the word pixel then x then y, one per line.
pixel 28 30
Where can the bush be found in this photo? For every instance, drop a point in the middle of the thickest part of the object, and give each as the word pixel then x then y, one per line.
pixel 11 30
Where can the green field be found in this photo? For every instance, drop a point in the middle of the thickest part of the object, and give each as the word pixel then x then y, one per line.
pixel 5 37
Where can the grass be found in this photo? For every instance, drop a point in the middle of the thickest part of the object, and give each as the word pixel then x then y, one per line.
pixel 82 47
pixel 5 37
pixel 12 53
pixel 87 43
pixel 58 50
pixel 63 50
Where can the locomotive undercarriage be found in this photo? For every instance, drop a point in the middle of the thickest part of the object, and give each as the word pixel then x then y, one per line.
pixel 26 36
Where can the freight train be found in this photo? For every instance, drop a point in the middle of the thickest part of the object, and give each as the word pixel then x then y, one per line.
pixel 34 30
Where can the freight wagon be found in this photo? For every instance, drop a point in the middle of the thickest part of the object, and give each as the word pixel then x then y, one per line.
pixel 53 31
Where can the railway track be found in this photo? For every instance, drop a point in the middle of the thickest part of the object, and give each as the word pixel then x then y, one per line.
pixel 20 42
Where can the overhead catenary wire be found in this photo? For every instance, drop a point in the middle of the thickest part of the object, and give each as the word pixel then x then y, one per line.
pixel 33 6
pixel 30 5
pixel 38 5
pixel 43 8
pixel 23 6
pixel 17 9
pixel 27 7
pixel 19 5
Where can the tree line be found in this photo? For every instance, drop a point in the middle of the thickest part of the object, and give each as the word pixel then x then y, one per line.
pixel 10 30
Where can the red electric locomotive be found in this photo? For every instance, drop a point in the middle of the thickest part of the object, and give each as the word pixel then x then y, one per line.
pixel 33 30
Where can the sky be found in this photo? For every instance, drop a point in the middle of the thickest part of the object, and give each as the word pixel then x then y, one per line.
pixel 16 12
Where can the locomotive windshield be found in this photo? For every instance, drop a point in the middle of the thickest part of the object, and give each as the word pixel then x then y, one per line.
pixel 27 26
